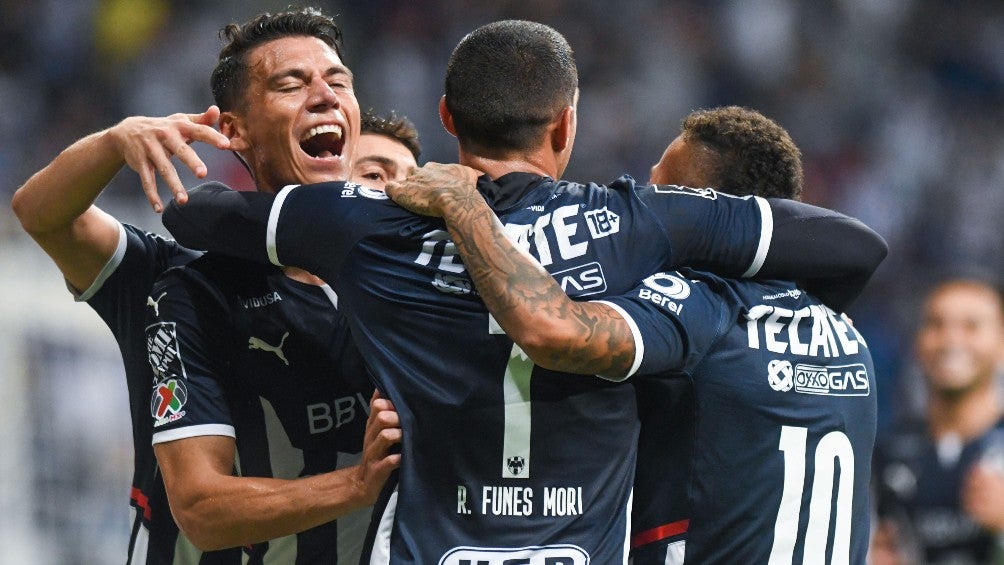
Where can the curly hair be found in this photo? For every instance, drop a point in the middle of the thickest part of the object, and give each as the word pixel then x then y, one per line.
pixel 755 154
pixel 398 128
pixel 229 80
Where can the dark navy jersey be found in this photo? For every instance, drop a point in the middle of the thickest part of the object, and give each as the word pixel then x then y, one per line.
pixel 120 296
pixel 240 349
pixel 785 408
pixel 918 486
pixel 502 460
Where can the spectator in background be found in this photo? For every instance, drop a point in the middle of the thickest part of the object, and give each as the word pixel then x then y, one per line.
pixel 940 480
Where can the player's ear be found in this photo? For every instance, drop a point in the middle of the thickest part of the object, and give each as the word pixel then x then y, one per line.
pixel 446 117
pixel 563 129
pixel 232 126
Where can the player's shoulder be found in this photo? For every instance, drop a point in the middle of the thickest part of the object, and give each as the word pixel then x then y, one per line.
pixel 216 274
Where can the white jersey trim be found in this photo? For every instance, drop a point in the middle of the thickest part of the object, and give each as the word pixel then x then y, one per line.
pixel 766 233
pixel 273 223
pixel 639 343
pixel 194 431
pixel 113 263
pixel 380 553
pixel 331 294
pixel 675 552
pixel 141 545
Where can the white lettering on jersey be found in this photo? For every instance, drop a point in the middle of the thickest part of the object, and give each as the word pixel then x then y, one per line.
pixel 565 501
pixel 538 555
pixel 506 501
pixel 260 301
pixel 583 280
pixel 323 417
pixel 776 329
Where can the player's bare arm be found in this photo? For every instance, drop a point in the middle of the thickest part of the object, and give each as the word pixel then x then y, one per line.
pixel 554 331
pixel 56 205
pixel 217 510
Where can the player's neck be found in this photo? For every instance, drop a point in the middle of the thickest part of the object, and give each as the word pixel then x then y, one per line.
pixel 535 162
pixel 967 416
pixel 302 276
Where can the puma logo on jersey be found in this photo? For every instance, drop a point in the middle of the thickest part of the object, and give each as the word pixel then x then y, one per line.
pixel 258 343
pixel 155 304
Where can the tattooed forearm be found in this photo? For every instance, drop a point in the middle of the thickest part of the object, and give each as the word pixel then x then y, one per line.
pixel 555 331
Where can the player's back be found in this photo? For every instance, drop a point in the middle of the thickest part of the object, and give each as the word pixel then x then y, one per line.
pixel 786 415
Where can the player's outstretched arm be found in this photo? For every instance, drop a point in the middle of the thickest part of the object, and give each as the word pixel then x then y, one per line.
pixel 553 330
pixel 56 205
pixel 217 510
pixel 832 255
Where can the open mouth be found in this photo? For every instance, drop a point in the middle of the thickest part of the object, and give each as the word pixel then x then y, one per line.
pixel 323 141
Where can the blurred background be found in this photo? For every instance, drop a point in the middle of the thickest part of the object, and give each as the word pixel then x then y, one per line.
pixel 897 105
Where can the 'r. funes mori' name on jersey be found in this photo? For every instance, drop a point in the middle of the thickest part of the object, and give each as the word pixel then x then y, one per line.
pixel 519 501
pixel 777 329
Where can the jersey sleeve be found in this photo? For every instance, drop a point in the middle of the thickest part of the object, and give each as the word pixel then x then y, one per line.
pixel 710 230
pixel 126 278
pixel 311 227
pixel 674 322
pixel 831 254
pixel 186 351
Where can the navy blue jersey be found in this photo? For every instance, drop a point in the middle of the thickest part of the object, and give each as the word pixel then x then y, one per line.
pixel 502 460
pixel 120 296
pixel 918 486
pixel 242 350
pixel 785 408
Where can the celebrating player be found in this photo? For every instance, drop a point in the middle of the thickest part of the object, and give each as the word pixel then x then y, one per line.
pixel 783 389
pixel 237 345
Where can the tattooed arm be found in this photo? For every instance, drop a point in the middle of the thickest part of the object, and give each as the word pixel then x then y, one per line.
pixel 553 330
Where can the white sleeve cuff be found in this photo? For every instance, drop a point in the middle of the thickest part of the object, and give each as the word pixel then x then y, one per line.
pixel 113 263
pixel 639 344
pixel 194 431
pixel 273 223
pixel 766 233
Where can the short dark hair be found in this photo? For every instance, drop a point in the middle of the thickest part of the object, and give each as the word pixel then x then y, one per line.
pixel 754 155
pixel 398 128
pixel 230 77
pixel 505 82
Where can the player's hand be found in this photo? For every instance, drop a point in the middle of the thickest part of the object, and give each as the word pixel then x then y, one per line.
pixel 383 432
pixel 431 189
pixel 147 145
pixel 983 497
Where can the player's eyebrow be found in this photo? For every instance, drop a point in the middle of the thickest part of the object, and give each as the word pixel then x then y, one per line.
pixel 378 159
pixel 303 75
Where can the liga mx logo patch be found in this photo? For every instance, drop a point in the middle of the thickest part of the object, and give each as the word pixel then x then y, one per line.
pixel 163 352
pixel 168 400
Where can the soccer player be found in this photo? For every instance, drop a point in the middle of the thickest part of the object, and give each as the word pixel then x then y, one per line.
pixel 782 388
pixel 387 150
pixel 112 266
pixel 256 360
pixel 940 480
pixel 502 459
